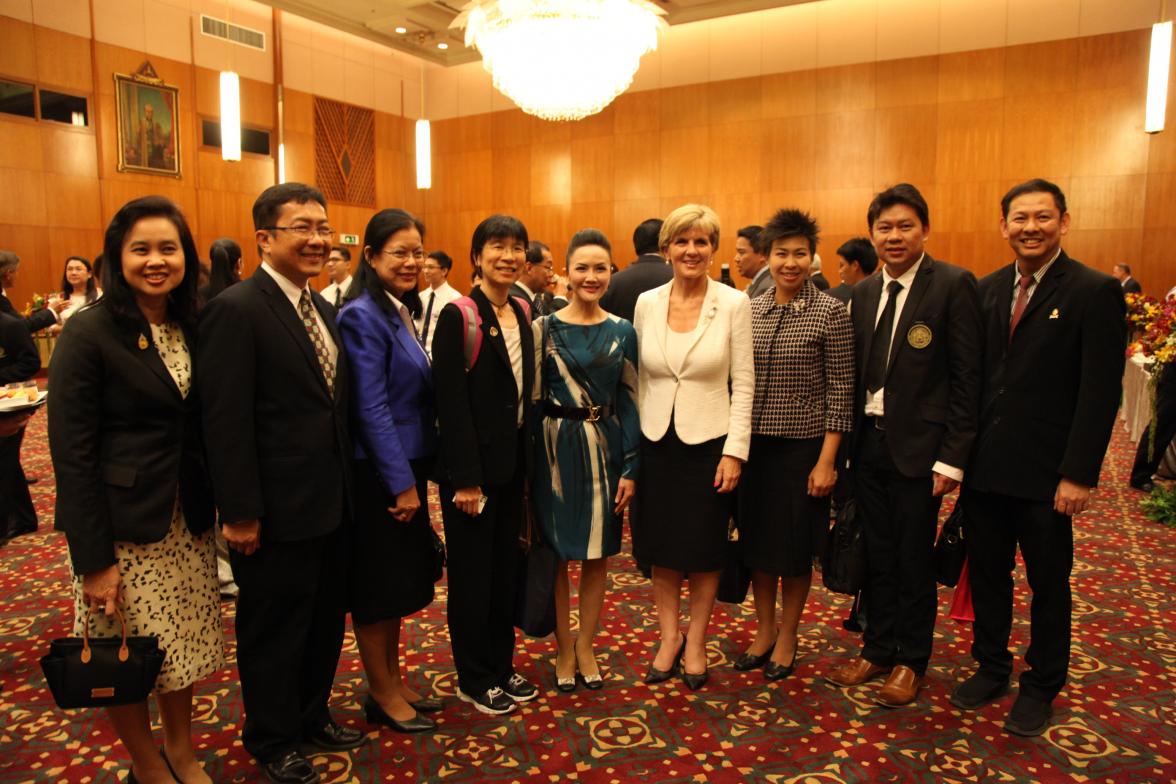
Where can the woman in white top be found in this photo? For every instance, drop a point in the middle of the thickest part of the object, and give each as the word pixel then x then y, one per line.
pixel 78 285
pixel 696 381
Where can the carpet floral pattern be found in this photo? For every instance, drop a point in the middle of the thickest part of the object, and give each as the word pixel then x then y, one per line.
pixel 1115 721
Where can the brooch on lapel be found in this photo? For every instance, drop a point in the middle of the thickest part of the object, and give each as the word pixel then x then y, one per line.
pixel 710 314
pixel 143 344
pixel 919 336
pixel 493 332
pixel 1053 314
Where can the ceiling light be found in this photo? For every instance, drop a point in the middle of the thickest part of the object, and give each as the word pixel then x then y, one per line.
pixel 442 45
pixel 1157 77
pixel 401 30
pixel 230 118
pixel 561 60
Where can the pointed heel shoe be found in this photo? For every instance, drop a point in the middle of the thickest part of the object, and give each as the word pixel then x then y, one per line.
pixel 654 675
pixel 376 715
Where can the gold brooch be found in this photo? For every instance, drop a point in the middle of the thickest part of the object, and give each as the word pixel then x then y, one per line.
pixel 493 332
pixel 919 336
pixel 143 344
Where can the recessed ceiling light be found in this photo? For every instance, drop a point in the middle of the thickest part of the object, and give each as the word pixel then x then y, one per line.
pixel 442 45
pixel 401 30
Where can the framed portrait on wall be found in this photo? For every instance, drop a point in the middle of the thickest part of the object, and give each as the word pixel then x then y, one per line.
pixel 148 123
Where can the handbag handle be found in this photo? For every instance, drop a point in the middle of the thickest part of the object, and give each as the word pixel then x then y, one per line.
pixel 123 652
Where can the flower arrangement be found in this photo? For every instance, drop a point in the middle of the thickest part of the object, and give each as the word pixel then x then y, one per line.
pixel 37 303
pixel 1153 325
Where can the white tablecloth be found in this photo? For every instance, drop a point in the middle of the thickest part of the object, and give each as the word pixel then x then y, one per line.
pixel 1137 409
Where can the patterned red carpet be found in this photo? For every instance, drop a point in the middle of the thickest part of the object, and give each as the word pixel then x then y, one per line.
pixel 1115 722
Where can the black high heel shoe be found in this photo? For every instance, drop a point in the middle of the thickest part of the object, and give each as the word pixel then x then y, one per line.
pixel 695 681
pixel 775 672
pixel 427 705
pixel 594 682
pixel 376 715
pixel 566 685
pixel 746 662
pixel 654 675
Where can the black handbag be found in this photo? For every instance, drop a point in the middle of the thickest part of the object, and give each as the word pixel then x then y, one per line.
pixel 535 597
pixel 85 673
pixel 437 555
pixel 844 563
pixel 735 577
pixel 950 549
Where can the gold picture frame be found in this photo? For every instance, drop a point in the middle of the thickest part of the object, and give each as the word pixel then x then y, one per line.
pixel 148 120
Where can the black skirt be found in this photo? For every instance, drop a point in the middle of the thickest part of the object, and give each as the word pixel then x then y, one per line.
pixel 781 527
pixel 679 521
pixel 390 575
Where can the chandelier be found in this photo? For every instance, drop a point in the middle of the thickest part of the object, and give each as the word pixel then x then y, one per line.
pixel 561 59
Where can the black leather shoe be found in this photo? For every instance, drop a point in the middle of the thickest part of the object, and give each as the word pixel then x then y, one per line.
pixel 746 662
pixel 377 715
pixel 427 705
pixel 775 672
pixel 695 680
pixel 1146 487
pixel 654 675
pixel 335 737
pixel 977 691
pixel 1029 717
pixel 291 768
pixel 566 685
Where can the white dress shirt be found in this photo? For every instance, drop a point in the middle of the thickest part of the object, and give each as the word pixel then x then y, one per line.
pixel 1037 276
pixel 874 401
pixel 440 296
pixel 294 294
pixel 329 292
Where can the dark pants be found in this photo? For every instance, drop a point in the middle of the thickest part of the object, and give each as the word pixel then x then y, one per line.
pixel 899 517
pixel 482 566
pixel 1164 423
pixel 291 614
pixel 17 514
pixel 996 524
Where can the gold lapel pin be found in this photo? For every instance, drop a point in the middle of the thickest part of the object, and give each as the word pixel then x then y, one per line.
pixel 143 344
pixel 1053 313
pixel 493 332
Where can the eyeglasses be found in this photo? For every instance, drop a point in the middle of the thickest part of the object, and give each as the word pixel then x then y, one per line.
pixel 400 254
pixel 306 232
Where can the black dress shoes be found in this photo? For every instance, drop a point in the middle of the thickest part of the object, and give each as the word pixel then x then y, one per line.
pixel 654 675
pixel 746 662
pixel 291 768
pixel 427 705
pixel 977 691
pixel 775 672
pixel 335 737
pixel 1029 717
pixel 694 681
pixel 377 715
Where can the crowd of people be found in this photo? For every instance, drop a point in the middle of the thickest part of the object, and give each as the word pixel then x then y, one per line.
pixel 307 427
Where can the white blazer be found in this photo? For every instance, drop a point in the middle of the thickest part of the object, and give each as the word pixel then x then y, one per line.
pixel 712 395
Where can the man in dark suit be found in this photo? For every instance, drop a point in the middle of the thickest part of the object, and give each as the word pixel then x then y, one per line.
pixel 856 261
pixel 274 390
pixel 1122 273
pixel 538 270
pixel 1054 347
pixel 19 361
pixel 39 320
pixel 917 348
pixel 752 261
pixel 649 271
pixel 816 276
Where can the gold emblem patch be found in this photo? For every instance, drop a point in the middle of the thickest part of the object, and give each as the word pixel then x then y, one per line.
pixel 919 336
pixel 143 344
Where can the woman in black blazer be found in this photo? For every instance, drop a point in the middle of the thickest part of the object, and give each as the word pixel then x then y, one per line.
pixel 483 415
pixel 132 491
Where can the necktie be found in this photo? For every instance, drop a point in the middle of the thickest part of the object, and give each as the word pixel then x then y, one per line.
pixel 537 305
pixel 425 322
pixel 338 295
pixel 306 310
pixel 880 344
pixel 1022 302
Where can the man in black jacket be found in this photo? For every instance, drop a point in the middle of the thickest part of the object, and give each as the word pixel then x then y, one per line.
pixel 649 271
pixel 274 392
pixel 39 320
pixel 19 361
pixel 1054 348
pixel 917 349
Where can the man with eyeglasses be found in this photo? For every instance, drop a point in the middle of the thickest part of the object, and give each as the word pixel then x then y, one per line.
pixel 274 392
pixel 538 269
pixel 339 273
pixel 435 271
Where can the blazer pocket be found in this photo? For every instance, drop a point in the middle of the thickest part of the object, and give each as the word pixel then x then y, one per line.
pixel 118 475
pixel 937 414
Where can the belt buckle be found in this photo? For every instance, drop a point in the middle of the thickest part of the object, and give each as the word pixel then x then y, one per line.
pixel 594 413
pixel 879 424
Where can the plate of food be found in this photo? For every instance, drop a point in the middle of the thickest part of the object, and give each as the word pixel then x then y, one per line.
pixel 13 400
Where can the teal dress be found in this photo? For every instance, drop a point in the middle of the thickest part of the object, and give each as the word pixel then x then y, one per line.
pixel 579 463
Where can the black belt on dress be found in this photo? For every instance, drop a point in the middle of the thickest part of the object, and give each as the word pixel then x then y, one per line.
pixel 588 413
pixel 878 422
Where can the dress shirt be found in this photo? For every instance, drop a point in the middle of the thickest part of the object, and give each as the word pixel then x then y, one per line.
pixel 1037 276
pixel 406 319
pixel 329 292
pixel 874 402
pixel 514 349
pixel 444 294
pixel 294 294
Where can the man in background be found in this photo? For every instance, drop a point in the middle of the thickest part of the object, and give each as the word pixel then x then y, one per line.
pixel 751 262
pixel 435 272
pixel 1122 273
pixel 339 273
pixel 19 361
pixel 647 272
pixel 816 276
pixel 538 268
pixel 39 320
pixel 856 261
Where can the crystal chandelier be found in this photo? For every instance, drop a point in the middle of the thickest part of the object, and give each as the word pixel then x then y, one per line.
pixel 561 59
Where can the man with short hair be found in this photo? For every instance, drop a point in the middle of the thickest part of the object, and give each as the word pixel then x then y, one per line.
pixel 435 272
pixel 538 268
pixel 752 261
pixel 274 386
pixel 1122 273
pixel 339 273
pixel 40 319
pixel 1054 346
pixel 647 272
pixel 917 350
pixel 815 274
pixel 856 261
pixel 19 361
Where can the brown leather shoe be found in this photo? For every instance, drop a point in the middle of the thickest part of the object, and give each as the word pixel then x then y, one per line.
pixel 900 688
pixel 854 672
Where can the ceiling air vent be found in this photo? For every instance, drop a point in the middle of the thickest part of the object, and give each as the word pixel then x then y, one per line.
pixel 217 28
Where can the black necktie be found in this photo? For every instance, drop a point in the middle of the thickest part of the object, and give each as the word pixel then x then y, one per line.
pixel 537 305
pixel 338 295
pixel 425 323
pixel 880 345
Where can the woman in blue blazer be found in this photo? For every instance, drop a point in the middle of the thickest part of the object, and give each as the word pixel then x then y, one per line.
pixel 396 445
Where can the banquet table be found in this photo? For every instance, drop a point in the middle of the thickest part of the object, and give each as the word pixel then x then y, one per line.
pixel 1137 406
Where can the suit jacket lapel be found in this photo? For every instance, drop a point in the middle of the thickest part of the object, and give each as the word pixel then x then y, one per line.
pixel 286 314
pixel 1004 300
pixel 660 316
pixel 1045 289
pixel 868 315
pixel 919 287
pixel 486 310
pixel 710 304
pixel 149 356
pixel 412 349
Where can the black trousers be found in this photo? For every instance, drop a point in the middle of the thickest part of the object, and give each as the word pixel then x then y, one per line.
pixel 1164 423
pixel 899 517
pixel 291 614
pixel 16 504
pixel 482 567
pixel 996 525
